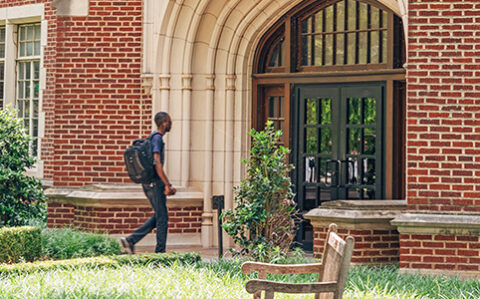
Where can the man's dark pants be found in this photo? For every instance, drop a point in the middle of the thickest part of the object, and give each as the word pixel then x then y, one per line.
pixel 156 195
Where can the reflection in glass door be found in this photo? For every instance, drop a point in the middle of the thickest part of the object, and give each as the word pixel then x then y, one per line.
pixel 339 145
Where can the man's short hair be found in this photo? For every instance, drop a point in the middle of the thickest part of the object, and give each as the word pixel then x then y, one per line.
pixel 160 118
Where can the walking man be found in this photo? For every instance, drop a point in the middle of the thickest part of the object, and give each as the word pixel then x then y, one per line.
pixel 156 192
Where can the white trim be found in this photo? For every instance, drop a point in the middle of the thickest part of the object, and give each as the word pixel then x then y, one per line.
pixel 11 18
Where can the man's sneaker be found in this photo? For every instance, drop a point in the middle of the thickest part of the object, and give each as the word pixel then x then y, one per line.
pixel 129 247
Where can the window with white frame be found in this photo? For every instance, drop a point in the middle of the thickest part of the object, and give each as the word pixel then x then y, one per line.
pixel 2 66
pixel 28 79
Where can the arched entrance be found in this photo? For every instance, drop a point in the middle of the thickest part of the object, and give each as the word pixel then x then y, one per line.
pixel 329 74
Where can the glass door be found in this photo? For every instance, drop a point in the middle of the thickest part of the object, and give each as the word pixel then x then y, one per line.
pixel 339 145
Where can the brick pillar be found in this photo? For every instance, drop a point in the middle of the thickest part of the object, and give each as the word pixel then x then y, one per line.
pixel 368 221
pixel 443 139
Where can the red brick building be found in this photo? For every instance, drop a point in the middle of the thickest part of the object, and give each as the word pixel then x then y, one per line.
pixel 378 101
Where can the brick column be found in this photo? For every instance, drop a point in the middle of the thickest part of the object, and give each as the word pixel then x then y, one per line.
pixel 368 221
pixel 443 138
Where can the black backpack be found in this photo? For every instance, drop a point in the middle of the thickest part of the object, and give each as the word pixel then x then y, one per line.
pixel 138 159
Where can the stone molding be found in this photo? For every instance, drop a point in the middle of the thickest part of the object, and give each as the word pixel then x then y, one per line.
pixel 462 274
pixel 77 8
pixel 119 196
pixel 164 81
pixel 357 211
pixel 437 224
pixel 147 83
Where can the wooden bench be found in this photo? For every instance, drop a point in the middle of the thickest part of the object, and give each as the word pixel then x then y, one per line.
pixel 332 272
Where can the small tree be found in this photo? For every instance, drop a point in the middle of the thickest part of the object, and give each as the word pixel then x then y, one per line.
pixel 21 196
pixel 262 220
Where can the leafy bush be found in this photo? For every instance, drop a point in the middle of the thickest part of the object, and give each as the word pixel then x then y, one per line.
pixel 19 243
pixel 262 220
pixel 155 259
pixel 67 243
pixel 21 196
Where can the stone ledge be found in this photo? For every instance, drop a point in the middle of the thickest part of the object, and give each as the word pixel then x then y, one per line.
pixel 357 211
pixel 438 224
pixel 119 196
pixel 460 273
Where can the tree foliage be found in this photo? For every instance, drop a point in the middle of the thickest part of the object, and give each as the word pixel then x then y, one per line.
pixel 21 196
pixel 262 220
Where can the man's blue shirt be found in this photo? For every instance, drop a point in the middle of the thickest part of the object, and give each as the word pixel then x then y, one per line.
pixel 158 146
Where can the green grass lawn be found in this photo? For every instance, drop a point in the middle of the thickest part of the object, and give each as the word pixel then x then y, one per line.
pixel 214 280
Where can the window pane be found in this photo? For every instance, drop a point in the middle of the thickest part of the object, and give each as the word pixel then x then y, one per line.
pixel 326 141
pixel 374 17
pixel 37 32
pixel 346 32
pixel 271 102
pixel 306 25
pixel 369 111
pixel 369 138
pixel 319 22
pixel 341 16
pixel 363 15
pixel 22 33
pixel 36 49
pixel 2 42
pixel 384 46
pixel 329 19
pixel 352 15
pixel 36 88
pixel 318 50
pixel 329 49
pixel 22 49
pixel 28 70
pixel 326 111
pixel 36 70
pixel 362 47
pixel 30 31
pixel 21 93
pixel 281 108
pixel 340 49
pixel 374 47
pixel 351 48
pixel 29 49
pixel 311 111
pixel 306 50
pixel 354 114
pixel 312 137
pixel 354 141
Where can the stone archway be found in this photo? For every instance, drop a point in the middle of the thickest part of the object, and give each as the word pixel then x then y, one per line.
pixel 199 57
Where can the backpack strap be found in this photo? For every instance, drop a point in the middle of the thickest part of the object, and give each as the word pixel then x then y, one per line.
pixel 150 137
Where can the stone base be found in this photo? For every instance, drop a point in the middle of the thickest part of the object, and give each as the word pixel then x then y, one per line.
pixel 368 221
pixel 439 243
pixel 119 210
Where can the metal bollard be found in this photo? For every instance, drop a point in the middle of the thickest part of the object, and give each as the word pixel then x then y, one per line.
pixel 218 203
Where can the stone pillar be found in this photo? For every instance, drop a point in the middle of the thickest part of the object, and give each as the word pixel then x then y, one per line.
pixel 368 221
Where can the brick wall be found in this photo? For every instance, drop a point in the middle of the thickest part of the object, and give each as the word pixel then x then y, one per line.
pixel 99 106
pixel 440 252
pixel 121 220
pixel 372 246
pixel 443 107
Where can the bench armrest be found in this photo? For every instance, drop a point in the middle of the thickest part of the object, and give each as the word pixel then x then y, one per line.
pixel 249 267
pixel 255 285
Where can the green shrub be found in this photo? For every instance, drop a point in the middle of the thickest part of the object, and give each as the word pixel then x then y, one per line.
pixel 67 243
pixel 21 196
pixel 154 259
pixel 262 220
pixel 19 243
